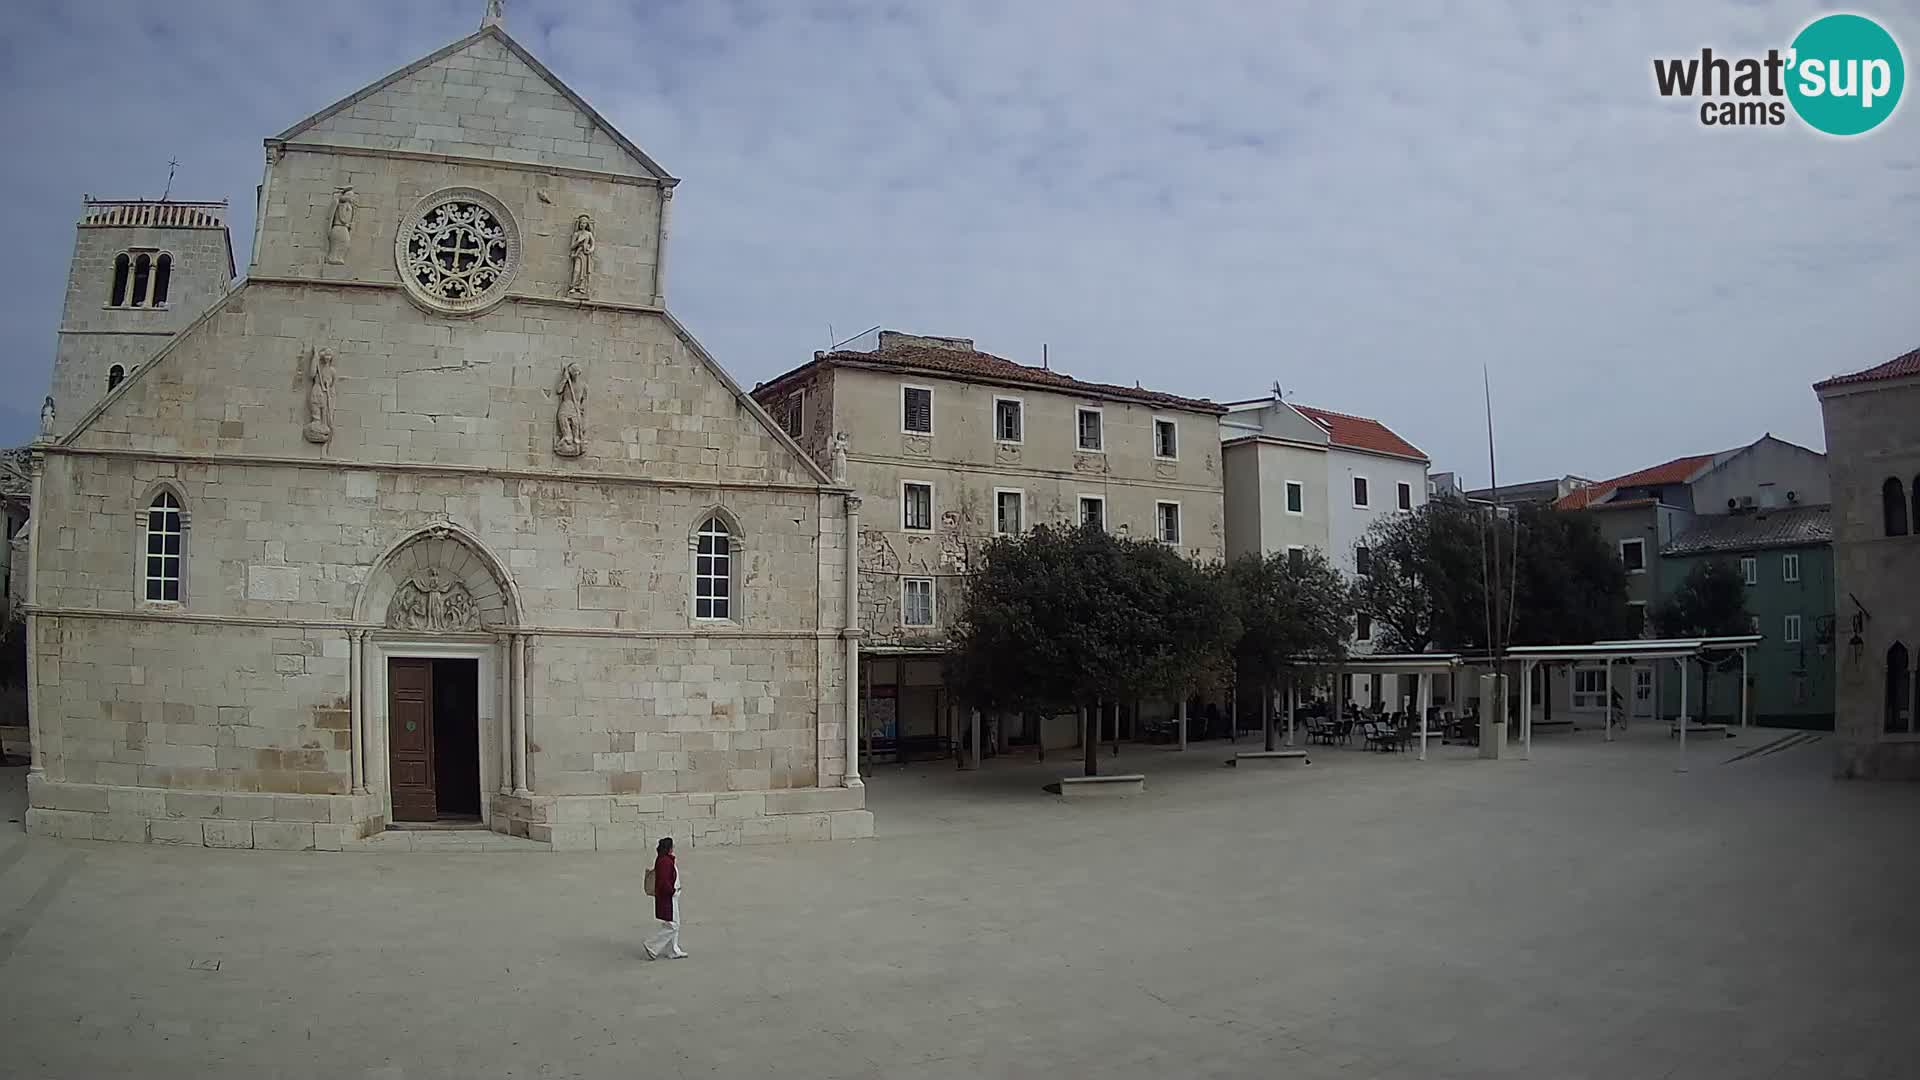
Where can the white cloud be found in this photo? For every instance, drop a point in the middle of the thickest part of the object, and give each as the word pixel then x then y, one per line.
pixel 1362 201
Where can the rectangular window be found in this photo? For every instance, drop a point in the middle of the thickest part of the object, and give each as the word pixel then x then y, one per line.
pixel 1637 613
pixel 1009 420
pixel 1008 511
pixel 916 506
pixel 793 414
pixel 1362 561
pixel 1634 554
pixel 916 410
pixel 916 601
pixel 1750 570
pixel 1359 491
pixel 1789 568
pixel 1790 633
pixel 1168 514
pixel 1362 626
pixel 1092 436
pixel 1406 496
pixel 1093 511
pixel 1589 688
pixel 1296 559
pixel 1296 497
pixel 1166 439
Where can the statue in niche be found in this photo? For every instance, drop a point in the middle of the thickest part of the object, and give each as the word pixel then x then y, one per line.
pixel 582 249
pixel 319 427
pixel 837 457
pixel 46 416
pixel 570 419
pixel 340 228
pixel 434 602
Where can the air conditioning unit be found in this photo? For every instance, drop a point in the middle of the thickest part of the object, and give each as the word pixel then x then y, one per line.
pixel 1793 496
pixel 1746 501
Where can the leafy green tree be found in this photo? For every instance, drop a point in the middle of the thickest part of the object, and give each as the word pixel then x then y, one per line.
pixel 1570 584
pixel 1711 601
pixel 1292 607
pixel 1061 619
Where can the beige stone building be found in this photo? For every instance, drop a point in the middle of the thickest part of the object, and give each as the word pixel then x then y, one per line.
pixel 439 516
pixel 949 447
pixel 1873 460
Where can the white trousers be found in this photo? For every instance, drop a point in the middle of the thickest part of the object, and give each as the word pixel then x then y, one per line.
pixel 666 940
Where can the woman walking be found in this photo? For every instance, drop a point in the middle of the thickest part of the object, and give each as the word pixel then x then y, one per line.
pixel 666 905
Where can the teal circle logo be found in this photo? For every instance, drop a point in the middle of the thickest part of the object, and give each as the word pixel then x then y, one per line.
pixel 1845 74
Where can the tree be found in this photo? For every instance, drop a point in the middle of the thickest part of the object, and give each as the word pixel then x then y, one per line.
pixel 1711 601
pixel 1292 608
pixel 1060 619
pixel 1570 585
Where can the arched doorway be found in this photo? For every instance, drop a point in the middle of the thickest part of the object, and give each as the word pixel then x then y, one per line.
pixel 438 687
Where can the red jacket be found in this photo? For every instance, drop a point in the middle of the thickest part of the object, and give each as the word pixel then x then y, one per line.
pixel 664 879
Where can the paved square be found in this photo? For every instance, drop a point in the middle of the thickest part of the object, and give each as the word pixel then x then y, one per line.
pixel 1591 913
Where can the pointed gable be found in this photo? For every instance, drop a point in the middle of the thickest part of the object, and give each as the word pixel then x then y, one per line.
pixel 484 97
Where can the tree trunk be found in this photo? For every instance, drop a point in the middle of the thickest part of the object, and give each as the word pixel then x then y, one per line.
pixel 1038 725
pixel 1266 713
pixel 1546 691
pixel 1090 738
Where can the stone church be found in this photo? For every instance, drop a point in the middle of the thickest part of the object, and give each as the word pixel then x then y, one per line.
pixel 439 516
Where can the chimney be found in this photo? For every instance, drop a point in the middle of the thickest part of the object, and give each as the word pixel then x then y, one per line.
pixel 893 338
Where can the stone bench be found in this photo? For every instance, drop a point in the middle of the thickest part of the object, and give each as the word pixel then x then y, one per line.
pixel 1093 787
pixel 1270 757
pixel 1696 731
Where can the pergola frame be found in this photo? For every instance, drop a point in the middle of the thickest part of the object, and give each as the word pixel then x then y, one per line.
pixel 1679 650
pixel 1424 665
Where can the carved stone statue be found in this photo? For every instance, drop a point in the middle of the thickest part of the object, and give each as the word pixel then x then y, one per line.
pixel 46 416
pixel 319 427
pixel 837 458
pixel 582 257
pixel 433 601
pixel 570 419
pixel 340 229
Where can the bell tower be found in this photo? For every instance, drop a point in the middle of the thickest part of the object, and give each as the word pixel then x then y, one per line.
pixel 141 271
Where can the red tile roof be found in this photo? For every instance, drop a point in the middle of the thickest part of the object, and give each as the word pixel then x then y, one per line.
pixel 1360 433
pixel 1677 471
pixel 1898 367
pixel 973 364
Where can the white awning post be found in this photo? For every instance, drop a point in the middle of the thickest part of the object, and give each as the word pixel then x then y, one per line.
pixel 1293 696
pixel 1426 691
pixel 1608 691
pixel 1526 709
pixel 1743 688
pixel 1684 718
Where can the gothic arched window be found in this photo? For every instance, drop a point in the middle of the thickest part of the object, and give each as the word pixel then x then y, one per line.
pixel 1893 506
pixel 1899 691
pixel 162 277
pixel 122 269
pixel 713 565
pixel 142 273
pixel 166 548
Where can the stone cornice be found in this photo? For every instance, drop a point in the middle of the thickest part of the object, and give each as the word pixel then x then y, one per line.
pixel 300 147
pixel 395 286
pixel 382 631
pixel 433 468
pixel 991 470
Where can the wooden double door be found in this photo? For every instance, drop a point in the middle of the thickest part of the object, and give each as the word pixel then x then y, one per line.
pixel 433 738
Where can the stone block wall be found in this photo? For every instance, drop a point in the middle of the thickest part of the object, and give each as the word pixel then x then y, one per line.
pixel 1872 435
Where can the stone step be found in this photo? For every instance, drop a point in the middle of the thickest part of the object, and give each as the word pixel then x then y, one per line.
pixel 405 841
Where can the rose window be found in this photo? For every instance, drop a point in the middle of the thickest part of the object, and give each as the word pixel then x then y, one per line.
pixel 458 251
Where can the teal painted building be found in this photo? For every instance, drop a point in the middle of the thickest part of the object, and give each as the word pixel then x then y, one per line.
pixel 1787 557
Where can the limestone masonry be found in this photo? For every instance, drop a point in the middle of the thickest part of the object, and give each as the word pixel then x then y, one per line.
pixel 438 515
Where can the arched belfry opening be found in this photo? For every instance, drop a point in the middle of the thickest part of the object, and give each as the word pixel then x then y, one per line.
pixel 441 665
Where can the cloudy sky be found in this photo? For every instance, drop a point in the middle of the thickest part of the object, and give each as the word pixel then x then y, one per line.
pixel 1364 202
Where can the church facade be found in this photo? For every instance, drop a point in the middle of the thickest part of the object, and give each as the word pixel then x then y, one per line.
pixel 440 516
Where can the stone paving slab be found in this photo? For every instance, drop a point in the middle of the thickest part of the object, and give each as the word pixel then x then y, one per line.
pixel 1591 913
